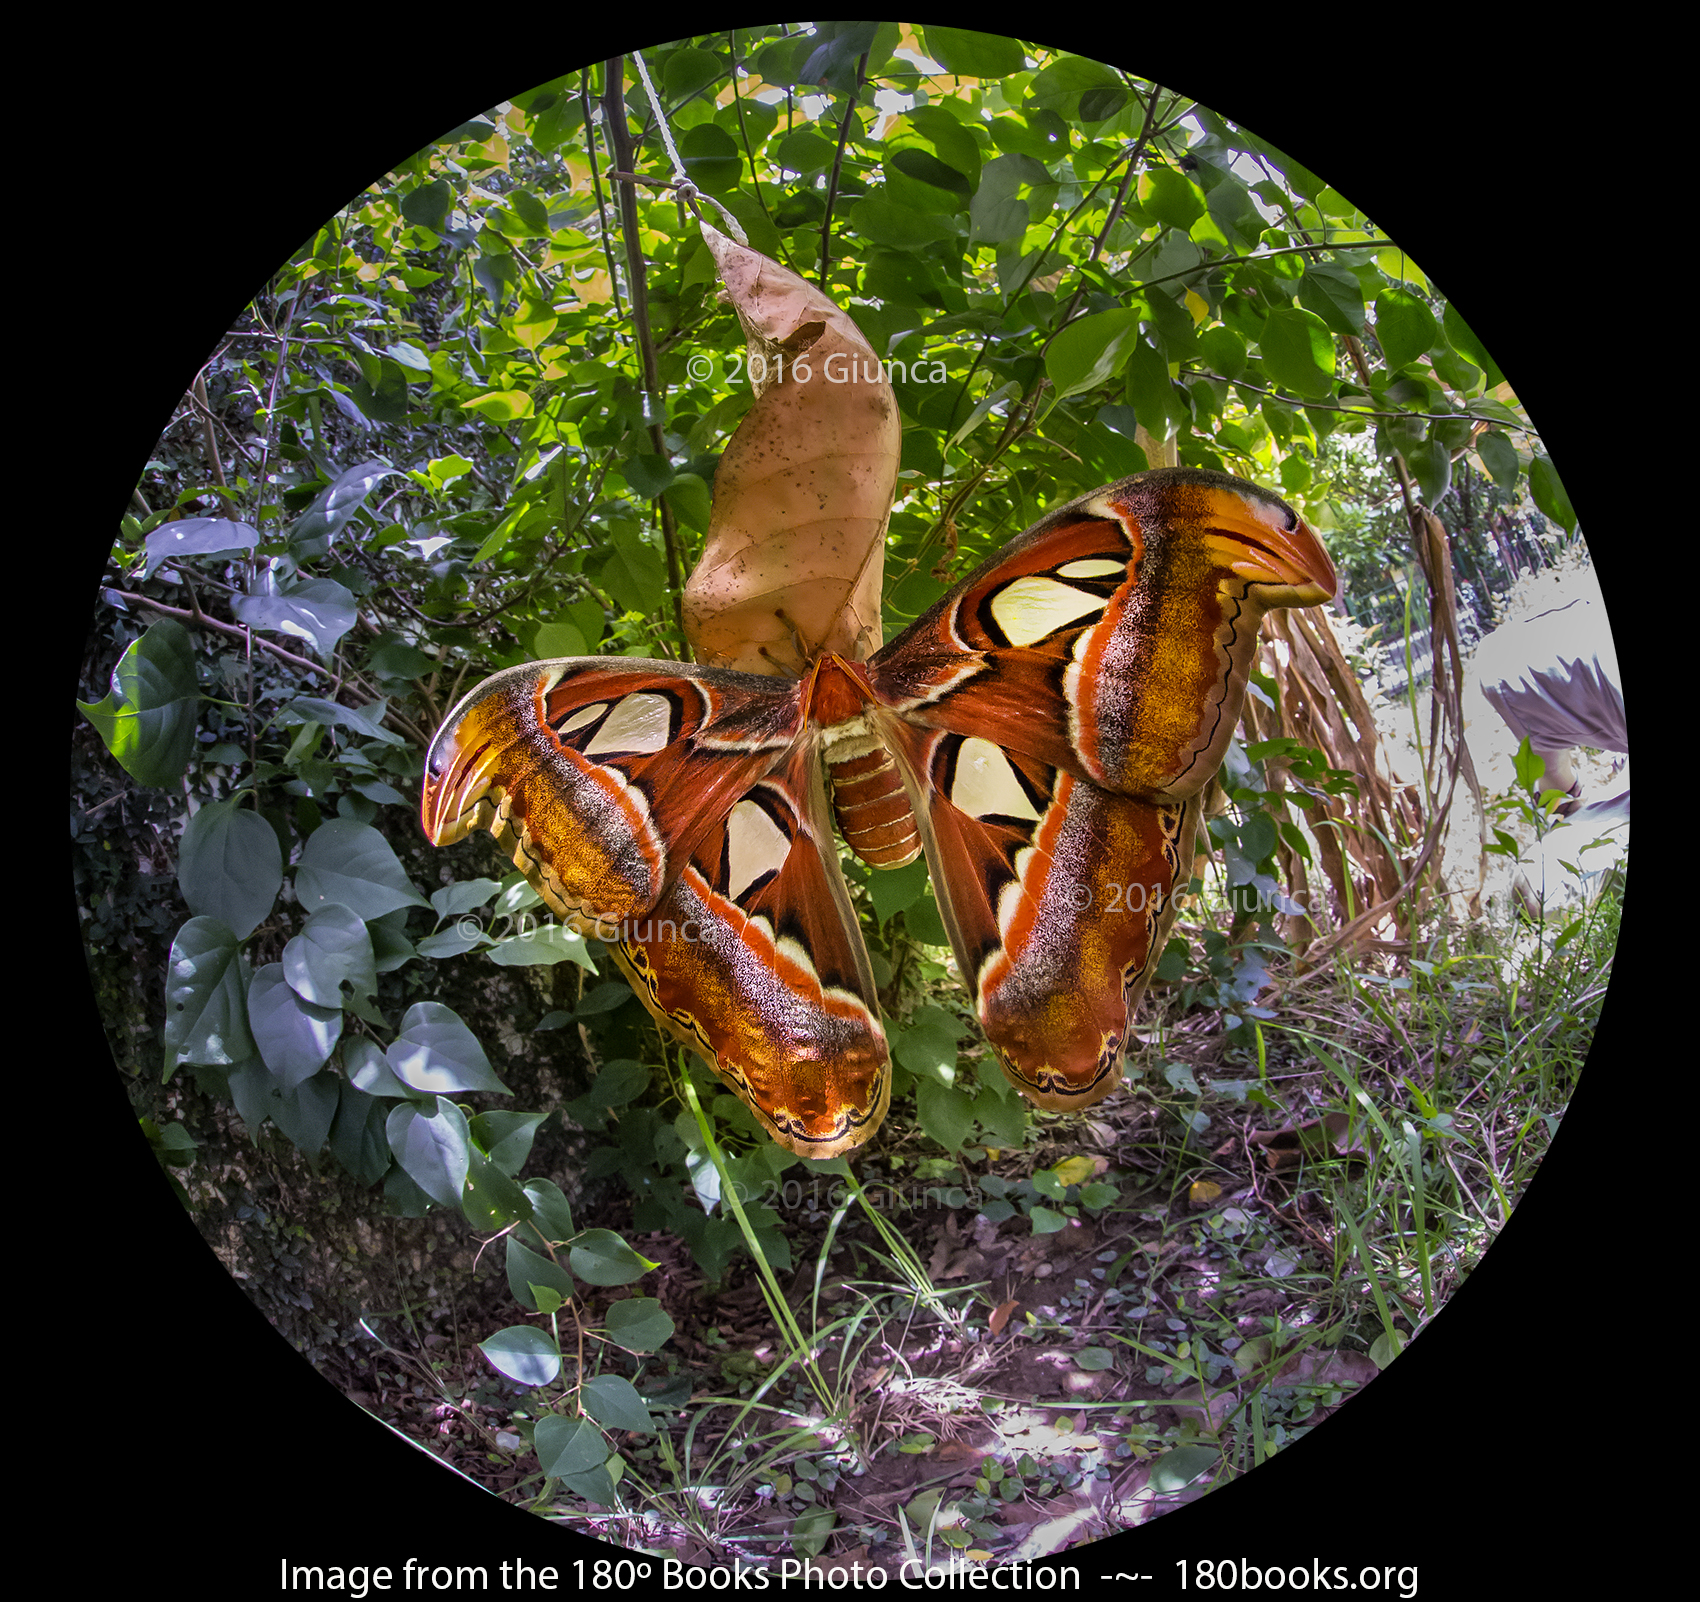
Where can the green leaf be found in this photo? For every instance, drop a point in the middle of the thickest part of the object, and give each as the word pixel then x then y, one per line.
pixel 887 223
pixel 1094 1359
pixel 950 139
pixel 436 1053
pixel 230 866
pixel 1002 394
pixel 833 61
pixel 946 1114
pixel 1149 388
pixel 1170 196
pixel 639 1325
pixel 974 55
pixel 527 1355
pixel 332 951
pixel 548 943
pixel 600 1257
pixel 1091 350
pixel 620 1082
pixel 358 1141
pixel 689 70
pixel 147 719
pixel 998 220
pixel 350 864
pixel 320 612
pixel 999 1110
pixel 310 535
pixel 636 575
pixel 526 1268
pixel 516 896
pixel 428 205
pixel 1059 86
pixel 647 474
pixel 550 1216
pixel 463 896
pixel 1431 463
pixel 459 938
pixel 306 1112
pixel 928 1047
pixel 206 997
pixel 567 1447
pixel 1404 326
pixel 174 1145
pixel 804 151
pixel 366 721
pixel 1176 1470
pixel 712 158
pixel 389 945
pixel 1222 351
pixel 1258 836
pixel 1047 1221
pixel 1549 493
pixel 1462 339
pixel 1499 457
pixel 1335 295
pixel 491 1200
pixel 689 497
pixel 1298 351
pixel 1049 1183
pixel 196 536
pixel 1385 1347
pixel 923 922
pixel 396 659
pixel 615 1404
pixel 811 1528
pixel 368 1069
pixel 500 405
pixel 432 1147
pixel 506 1137
pixel 893 889
pixel 925 168
pixel 295 1038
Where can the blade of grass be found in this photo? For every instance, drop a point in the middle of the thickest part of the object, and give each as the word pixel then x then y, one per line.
pixel 772 1294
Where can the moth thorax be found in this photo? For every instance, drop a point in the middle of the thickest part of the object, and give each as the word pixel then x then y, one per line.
pixel 874 814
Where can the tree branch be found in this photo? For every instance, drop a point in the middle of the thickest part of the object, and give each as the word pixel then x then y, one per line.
pixel 619 143
pixel 200 620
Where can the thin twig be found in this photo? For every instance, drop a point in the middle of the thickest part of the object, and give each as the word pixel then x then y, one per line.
pixel 1358 411
pixel 1133 159
pixel 837 167
pixel 541 568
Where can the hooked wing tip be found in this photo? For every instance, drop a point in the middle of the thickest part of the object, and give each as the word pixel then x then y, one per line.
pixel 1249 530
pixel 1261 538
pixel 450 790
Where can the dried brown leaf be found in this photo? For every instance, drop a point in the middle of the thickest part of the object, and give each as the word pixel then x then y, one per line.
pixel 1327 1136
pixel 795 554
